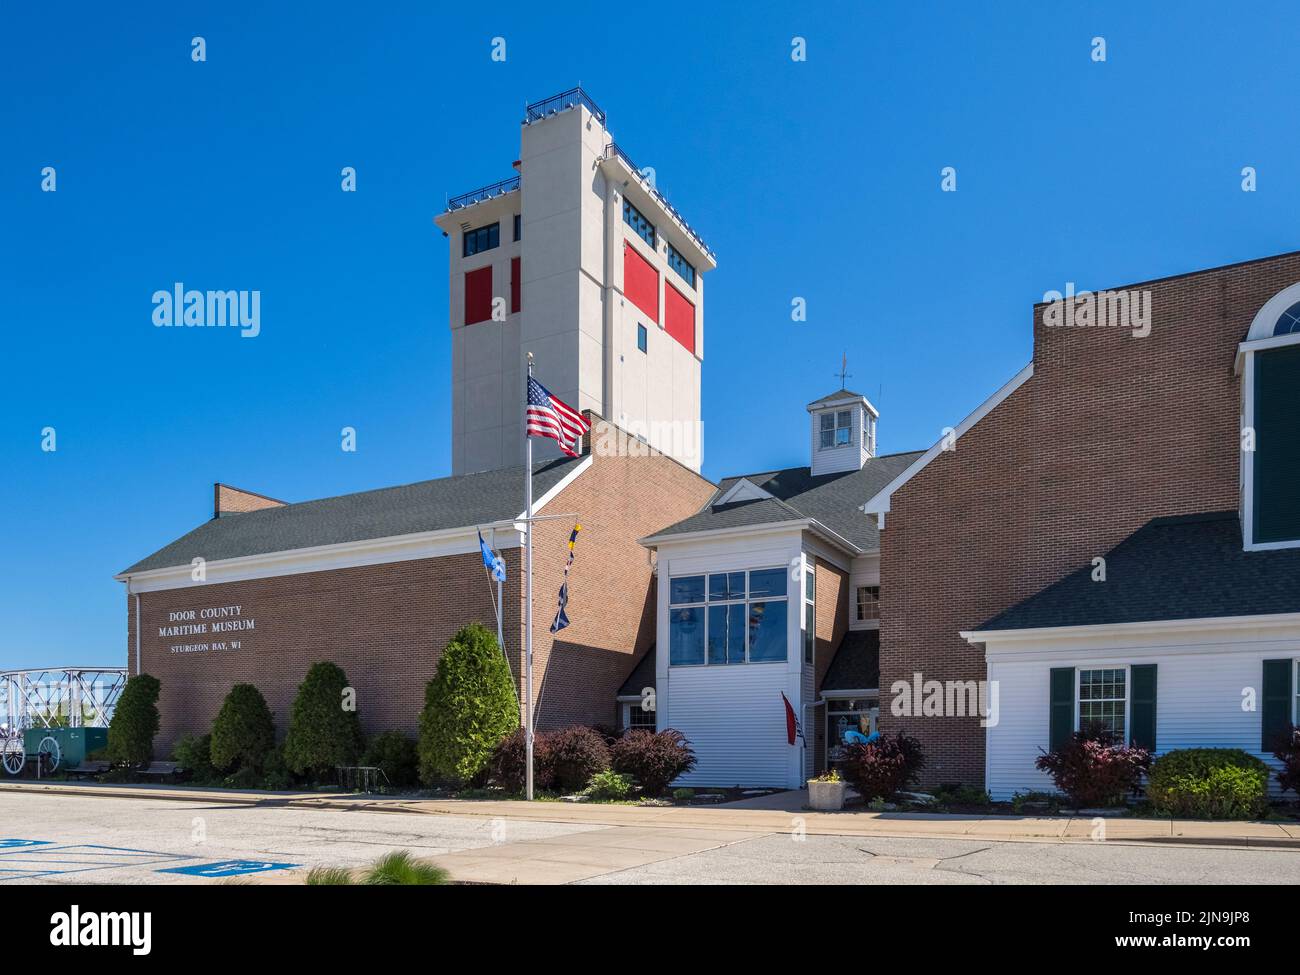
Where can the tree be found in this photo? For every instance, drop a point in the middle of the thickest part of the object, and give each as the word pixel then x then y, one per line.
pixel 243 732
pixel 135 721
pixel 324 731
pixel 469 706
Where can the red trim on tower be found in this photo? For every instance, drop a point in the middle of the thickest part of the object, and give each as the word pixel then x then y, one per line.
pixel 514 285
pixel 478 295
pixel 679 318
pixel 640 282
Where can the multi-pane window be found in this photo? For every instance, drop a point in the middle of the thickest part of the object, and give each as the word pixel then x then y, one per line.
pixel 1103 698
pixel 639 717
pixel 681 265
pixel 868 603
pixel 481 239
pixel 635 219
pixel 836 428
pixel 642 338
pixel 809 613
pixel 868 434
pixel 727 617
pixel 519 227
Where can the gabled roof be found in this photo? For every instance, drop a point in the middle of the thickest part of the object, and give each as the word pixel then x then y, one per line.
pixel 642 676
pixel 834 501
pixel 462 501
pixel 835 397
pixel 856 665
pixel 1179 568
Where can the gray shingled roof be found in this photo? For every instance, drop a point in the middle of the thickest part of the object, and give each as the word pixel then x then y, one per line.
pixel 448 502
pixel 856 665
pixel 839 394
pixel 834 500
pixel 1186 567
pixel 642 676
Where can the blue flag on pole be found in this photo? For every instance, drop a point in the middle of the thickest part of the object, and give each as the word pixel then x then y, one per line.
pixel 491 561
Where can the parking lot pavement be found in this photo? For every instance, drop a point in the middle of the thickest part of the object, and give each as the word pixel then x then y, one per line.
pixel 70 838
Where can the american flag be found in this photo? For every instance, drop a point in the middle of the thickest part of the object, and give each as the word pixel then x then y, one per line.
pixel 549 417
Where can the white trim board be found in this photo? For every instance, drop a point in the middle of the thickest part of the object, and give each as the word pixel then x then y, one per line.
pixel 878 504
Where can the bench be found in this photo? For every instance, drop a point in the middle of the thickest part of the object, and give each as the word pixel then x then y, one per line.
pixel 89 768
pixel 160 769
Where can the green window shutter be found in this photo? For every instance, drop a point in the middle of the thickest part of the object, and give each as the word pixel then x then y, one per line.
pixel 1277 448
pixel 1275 706
pixel 1142 707
pixel 1062 707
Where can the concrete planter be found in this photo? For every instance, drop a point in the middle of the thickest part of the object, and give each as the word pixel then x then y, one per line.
pixel 825 796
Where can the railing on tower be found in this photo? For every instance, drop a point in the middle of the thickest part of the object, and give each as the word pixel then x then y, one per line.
pixel 559 103
pixel 613 150
pixel 483 193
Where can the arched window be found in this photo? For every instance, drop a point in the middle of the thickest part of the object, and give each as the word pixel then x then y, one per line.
pixel 1288 323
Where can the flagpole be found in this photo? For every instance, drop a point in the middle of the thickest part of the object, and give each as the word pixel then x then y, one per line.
pixel 500 636
pixel 528 600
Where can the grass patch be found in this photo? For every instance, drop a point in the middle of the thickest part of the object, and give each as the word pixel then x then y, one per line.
pixel 329 877
pixel 401 869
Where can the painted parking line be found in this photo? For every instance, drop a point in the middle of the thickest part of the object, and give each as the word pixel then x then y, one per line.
pixel 10 843
pixel 39 858
pixel 228 868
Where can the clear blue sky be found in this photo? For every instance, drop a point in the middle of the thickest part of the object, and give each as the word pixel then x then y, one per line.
pixel 816 179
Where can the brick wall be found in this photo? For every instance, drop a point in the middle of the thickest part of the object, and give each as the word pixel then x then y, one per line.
pixel 386 625
pixel 233 500
pixel 832 624
pixel 1110 432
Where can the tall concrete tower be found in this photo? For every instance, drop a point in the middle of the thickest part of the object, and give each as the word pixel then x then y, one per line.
pixel 581 261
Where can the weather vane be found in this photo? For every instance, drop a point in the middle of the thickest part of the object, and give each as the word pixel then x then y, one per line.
pixel 844 374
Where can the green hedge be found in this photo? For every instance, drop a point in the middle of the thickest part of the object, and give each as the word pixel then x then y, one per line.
pixel 1209 783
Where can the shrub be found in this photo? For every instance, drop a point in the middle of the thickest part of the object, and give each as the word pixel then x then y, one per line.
pixel 243 732
pixel 683 795
pixel 1209 783
pixel 654 759
pixel 883 767
pixel 135 721
pixel 395 754
pixel 193 754
pixel 610 785
pixel 401 869
pixel 961 795
pixel 469 706
pixel 1093 768
pixel 577 753
pixel 322 734
pixel 1288 753
pixel 506 767
pixel 275 771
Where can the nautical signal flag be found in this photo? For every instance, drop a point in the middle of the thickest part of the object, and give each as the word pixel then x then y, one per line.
pixel 793 729
pixel 547 416
pixel 491 561
pixel 561 617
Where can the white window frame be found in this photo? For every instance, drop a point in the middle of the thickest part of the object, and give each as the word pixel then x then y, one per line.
pixel 748 598
pixel 834 429
pixel 809 619
pixel 1128 694
pixel 628 708
pixel 857 617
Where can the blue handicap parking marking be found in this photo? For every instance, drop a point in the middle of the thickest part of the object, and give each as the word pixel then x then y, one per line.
pixel 229 868
pixel 12 844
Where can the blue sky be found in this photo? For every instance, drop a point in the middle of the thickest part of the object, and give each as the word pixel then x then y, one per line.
pixel 818 179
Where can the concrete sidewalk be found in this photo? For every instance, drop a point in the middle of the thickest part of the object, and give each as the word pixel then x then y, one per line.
pixel 778 813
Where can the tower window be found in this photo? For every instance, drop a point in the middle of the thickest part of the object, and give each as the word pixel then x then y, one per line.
pixel 642 338
pixel 635 219
pixel 835 429
pixel 682 266
pixel 519 227
pixel 481 239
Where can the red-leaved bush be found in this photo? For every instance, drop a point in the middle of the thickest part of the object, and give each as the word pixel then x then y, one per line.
pixel 654 759
pixel 883 767
pixel 577 753
pixel 506 768
pixel 1287 751
pixel 1094 768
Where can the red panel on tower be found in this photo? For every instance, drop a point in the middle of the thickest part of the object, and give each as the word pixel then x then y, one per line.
pixel 514 285
pixel 679 318
pixel 640 282
pixel 478 295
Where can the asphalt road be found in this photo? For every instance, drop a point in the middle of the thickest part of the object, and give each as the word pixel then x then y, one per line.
pixel 78 839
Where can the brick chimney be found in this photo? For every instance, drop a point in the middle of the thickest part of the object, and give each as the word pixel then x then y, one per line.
pixel 227 500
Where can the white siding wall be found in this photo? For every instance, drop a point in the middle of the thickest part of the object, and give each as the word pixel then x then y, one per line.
pixel 1199 693
pixel 733 718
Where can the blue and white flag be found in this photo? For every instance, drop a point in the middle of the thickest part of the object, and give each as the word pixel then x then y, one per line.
pixel 491 561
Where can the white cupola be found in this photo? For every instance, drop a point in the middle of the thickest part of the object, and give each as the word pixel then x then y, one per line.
pixel 843 428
